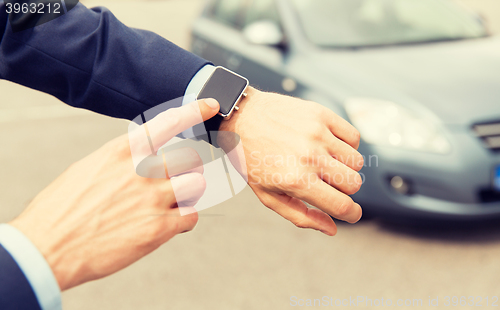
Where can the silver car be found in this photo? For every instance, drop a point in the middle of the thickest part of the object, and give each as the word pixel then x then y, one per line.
pixel 420 79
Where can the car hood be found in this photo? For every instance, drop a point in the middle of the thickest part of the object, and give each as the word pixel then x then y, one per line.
pixel 458 81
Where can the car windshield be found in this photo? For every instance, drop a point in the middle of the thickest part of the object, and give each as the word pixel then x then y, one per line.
pixel 359 23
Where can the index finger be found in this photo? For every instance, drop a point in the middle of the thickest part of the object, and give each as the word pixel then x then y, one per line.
pixel 173 121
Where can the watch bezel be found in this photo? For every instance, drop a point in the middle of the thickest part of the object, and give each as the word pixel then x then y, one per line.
pixel 235 104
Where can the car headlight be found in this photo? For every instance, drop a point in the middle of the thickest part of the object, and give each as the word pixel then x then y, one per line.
pixel 386 123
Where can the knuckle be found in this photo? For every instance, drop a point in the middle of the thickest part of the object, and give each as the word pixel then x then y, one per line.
pixel 193 156
pixel 316 131
pixel 266 200
pixel 120 146
pixel 300 223
pixel 191 220
pixel 182 224
pixel 138 143
pixel 292 185
pixel 317 136
pixel 157 197
pixel 344 207
pixel 199 183
pixel 197 187
pixel 199 169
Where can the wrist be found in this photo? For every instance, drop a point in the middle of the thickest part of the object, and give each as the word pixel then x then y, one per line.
pixel 231 124
pixel 52 252
pixel 32 264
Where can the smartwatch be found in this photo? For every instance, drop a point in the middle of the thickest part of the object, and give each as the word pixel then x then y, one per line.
pixel 228 88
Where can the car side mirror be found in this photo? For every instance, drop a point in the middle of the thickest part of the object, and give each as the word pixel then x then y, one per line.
pixel 264 32
pixel 481 18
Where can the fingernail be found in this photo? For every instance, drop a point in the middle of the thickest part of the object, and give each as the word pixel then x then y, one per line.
pixel 212 103
pixel 360 212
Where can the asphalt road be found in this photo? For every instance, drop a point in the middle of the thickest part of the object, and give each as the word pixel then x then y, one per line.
pixel 241 255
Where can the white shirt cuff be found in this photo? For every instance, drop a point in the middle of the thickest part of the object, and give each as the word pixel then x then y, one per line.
pixel 193 89
pixel 197 83
pixel 34 266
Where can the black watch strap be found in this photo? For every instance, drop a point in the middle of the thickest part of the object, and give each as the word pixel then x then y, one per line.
pixel 213 125
pixel 207 131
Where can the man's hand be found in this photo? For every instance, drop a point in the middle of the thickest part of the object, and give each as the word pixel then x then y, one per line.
pixel 299 151
pixel 99 216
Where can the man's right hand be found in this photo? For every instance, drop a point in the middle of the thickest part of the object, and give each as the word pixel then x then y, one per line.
pixel 99 216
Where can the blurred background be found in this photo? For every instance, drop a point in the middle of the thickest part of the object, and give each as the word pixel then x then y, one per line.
pixel 242 255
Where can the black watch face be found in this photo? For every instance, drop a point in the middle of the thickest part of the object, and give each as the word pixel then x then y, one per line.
pixel 225 87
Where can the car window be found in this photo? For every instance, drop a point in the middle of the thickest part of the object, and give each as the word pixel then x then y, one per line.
pixel 262 10
pixel 229 12
pixel 358 23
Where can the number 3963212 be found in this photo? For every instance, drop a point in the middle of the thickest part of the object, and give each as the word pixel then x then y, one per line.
pixel 34 8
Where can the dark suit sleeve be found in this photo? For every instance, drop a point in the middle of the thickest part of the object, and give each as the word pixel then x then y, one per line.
pixel 89 59
pixel 15 290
